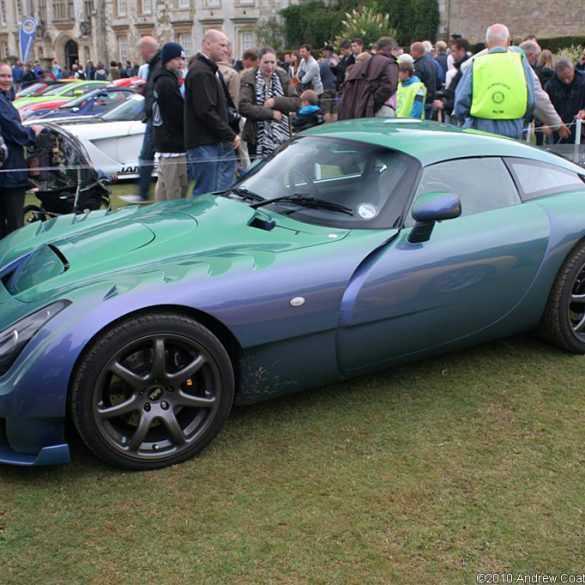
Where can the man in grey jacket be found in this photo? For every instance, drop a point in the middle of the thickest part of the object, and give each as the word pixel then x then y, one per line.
pixel 543 108
pixel 308 74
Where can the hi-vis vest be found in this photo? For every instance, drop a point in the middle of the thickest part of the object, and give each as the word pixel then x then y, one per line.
pixel 405 97
pixel 499 89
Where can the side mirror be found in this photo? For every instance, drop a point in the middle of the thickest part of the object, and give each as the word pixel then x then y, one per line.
pixel 430 208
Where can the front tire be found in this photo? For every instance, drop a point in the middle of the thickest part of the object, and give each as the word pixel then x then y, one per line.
pixel 563 321
pixel 152 391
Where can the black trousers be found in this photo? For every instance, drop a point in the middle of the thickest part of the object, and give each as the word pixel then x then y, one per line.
pixel 11 210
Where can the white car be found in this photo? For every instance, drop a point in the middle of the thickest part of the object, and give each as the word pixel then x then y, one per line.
pixel 113 141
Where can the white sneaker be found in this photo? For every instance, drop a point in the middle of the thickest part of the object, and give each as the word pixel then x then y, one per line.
pixel 132 199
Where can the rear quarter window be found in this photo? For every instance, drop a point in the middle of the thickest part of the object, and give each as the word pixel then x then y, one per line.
pixel 536 179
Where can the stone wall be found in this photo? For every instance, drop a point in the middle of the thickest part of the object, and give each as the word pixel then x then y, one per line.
pixel 544 18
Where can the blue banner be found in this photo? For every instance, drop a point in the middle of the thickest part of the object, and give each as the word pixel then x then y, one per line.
pixel 27 36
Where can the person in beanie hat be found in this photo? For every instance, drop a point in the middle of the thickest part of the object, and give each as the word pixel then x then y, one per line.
pixel 167 123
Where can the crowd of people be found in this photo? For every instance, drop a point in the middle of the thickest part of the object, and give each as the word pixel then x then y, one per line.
pixel 31 72
pixel 206 118
pixel 235 111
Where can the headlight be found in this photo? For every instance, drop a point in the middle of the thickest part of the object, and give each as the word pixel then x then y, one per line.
pixel 14 338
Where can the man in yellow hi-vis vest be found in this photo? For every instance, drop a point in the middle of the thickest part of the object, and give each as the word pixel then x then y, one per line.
pixel 496 94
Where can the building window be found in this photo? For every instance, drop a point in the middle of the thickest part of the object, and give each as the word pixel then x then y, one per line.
pixel 123 49
pixel 186 41
pixel 122 8
pixel 88 8
pixel 213 3
pixel 42 7
pixel 63 10
pixel 3 49
pixel 183 4
pixel 148 7
pixel 60 9
pixel 19 11
pixel 3 12
pixel 247 40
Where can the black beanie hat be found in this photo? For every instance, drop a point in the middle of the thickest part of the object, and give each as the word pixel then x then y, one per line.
pixel 171 51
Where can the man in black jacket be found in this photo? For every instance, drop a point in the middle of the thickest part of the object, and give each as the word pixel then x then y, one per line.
pixel 209 138
pixel 427 71
pixel 567 94
pixel 167 125
pixel 149 51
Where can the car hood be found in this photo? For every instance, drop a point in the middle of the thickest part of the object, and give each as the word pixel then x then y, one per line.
pixel 212 231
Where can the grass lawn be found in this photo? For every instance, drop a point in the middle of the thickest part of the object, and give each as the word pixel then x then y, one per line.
pixel 425 474
pixel 429 473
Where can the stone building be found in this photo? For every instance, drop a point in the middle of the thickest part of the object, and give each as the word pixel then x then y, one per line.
pixel 106 30
pixel 544 18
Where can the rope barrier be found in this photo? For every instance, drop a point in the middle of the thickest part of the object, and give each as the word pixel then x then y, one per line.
pixel 578 124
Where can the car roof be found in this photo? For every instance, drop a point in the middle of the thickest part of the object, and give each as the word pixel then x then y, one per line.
pixel 431 142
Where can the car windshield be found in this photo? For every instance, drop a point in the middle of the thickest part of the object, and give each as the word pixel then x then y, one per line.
pixel 369 180
pixel 130 110
pixel 30 90
pixel 106 100
pixel 61 89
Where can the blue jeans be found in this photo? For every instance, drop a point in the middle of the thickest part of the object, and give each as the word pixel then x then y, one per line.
pixel 146 162
pixel 212 166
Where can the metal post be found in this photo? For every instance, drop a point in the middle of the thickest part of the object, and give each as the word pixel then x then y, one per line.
pixel 578 132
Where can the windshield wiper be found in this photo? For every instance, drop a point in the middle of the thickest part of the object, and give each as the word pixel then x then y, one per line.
pixel 306 201
pixel 246 194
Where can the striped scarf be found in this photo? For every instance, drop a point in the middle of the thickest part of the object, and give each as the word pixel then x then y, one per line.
pixel 271 133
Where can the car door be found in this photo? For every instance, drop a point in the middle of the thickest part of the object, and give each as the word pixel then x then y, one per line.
pixel 473 270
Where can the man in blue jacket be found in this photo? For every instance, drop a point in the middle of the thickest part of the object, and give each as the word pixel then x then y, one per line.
pixel 496 93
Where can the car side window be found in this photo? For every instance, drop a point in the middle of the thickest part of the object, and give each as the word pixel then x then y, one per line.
pixel 537 179
pixel 482 184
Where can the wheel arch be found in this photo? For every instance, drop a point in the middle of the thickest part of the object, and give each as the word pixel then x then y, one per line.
pixel 219 329
pixel 566 254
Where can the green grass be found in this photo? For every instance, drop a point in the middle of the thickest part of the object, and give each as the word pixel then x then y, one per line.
pixel 429 473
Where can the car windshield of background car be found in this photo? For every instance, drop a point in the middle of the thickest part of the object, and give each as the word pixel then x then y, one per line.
pixel 30 90
pixel 130 110
pixel 60 89
pixel 366 178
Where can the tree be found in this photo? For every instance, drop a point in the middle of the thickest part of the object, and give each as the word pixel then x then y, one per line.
pixel 312 23
pixel 369 24
pixel 270 33
pixel 316 22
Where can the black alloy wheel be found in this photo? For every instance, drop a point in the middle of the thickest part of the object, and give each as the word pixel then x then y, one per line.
pixel 563 321
pixel 153 391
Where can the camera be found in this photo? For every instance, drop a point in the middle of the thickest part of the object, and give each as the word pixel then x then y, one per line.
pixel 3 151
pixel 234 119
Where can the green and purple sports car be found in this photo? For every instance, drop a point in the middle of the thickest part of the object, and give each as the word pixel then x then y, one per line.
pixel 358 246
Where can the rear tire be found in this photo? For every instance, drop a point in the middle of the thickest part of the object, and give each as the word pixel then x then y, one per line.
pixel 563 320
pixel 152 391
